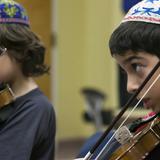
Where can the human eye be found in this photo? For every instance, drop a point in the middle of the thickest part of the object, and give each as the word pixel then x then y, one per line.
pixel 137 67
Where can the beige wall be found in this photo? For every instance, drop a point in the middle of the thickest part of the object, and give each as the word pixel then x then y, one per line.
pixel 83 59
pixel 39 13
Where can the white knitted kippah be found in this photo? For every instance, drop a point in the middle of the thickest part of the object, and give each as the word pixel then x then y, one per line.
pixel 145 11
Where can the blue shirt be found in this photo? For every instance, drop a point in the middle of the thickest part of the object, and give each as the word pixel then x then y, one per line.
pixel 29 131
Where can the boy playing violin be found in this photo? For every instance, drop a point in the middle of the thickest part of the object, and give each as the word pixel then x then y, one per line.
pixel 27 126
pixel 135 45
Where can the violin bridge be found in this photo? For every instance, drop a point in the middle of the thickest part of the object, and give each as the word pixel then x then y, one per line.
pixel 123 135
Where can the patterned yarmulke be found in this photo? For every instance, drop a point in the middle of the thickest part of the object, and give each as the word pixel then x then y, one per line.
pixel 145 11
pixel 12 12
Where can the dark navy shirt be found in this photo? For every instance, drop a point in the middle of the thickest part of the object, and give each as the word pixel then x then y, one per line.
pixel 29 131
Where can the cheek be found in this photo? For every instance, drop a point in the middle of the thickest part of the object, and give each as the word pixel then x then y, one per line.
pixel 154 95
pixel 155 91
pixel 7 68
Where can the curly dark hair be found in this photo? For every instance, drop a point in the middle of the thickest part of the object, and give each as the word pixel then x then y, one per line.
pixel 136 36
pixel 25 47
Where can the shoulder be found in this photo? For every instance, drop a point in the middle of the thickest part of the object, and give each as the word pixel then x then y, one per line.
pixel 41 103
pixel 35 103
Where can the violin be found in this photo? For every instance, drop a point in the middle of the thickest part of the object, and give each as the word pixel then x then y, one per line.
pixel 140 145
pixel 6 95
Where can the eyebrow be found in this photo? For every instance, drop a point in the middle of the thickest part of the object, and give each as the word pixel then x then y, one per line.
pixel 131 58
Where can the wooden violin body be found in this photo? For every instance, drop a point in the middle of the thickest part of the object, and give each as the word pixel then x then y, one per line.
pixel 6 95
pixel 140 145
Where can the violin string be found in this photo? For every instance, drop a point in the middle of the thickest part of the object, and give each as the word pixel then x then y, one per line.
pixel 101 152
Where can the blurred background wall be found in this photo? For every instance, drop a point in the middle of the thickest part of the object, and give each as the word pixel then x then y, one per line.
pixel 40 18
pixel 76 34
pixel 83 60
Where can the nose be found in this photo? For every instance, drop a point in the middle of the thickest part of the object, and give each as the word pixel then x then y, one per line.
pixel 132 84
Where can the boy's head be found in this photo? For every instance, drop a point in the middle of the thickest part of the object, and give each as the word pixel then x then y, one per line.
pixel 135 45
pixel 139 30
pixel 23 46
